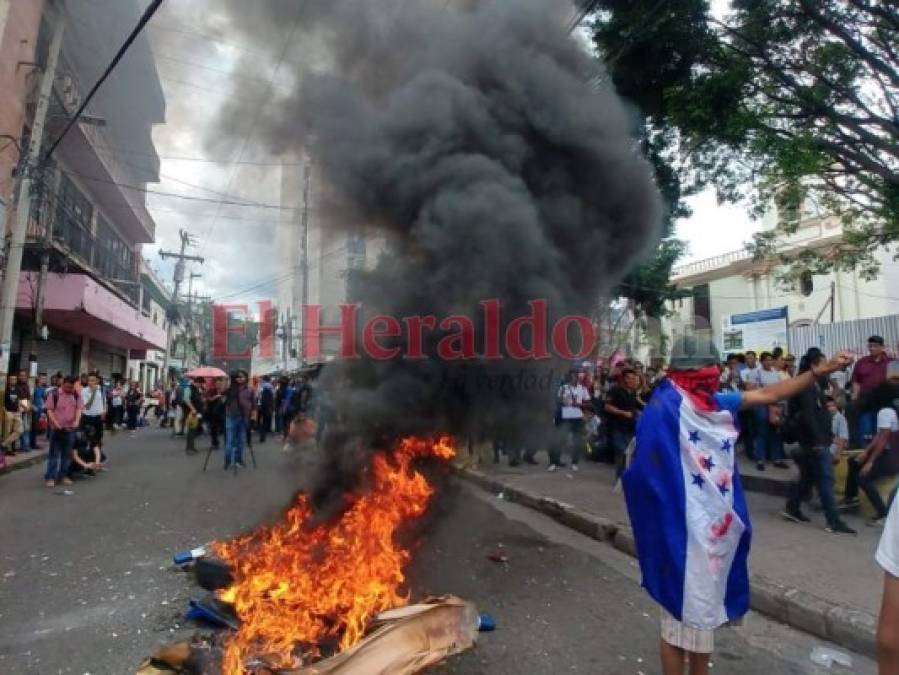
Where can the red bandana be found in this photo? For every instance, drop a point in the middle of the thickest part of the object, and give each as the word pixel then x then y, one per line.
pixel 700 384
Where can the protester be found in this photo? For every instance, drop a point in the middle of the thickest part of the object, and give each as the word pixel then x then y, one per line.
pixel 93 410
pixel 813 428
pixel 240 408
pixel 266 407
pixel 731 379
pixel 87 458
pixel 868 373
pixel 64 409
pixel 214 406
pixel 622 407
pixel 768 421
pixel 881 458
pixel 12 421
pixel 25 409
pixel 193 414
pixel 37 409
pixel 116 406
pixel 683 486
pixel 888 624
pixel 134 399
pixel 571 396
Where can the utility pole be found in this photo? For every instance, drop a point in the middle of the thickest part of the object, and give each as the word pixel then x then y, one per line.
pixel 307 179
pixel 30 168
pixel 190 312
pixel 186 240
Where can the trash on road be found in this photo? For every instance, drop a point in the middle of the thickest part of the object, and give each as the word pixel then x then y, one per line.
pixel 185 557
pixel 213 611
pixel 213 574
pixel 498 555
pixel 827 656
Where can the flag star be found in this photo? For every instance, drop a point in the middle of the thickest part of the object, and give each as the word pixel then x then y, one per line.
pixel 698 480
pixel 726 445
pixel 723 489
pixel 694 437
pixel 707 463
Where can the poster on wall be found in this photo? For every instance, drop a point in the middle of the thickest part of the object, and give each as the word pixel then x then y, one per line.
pixel 759 331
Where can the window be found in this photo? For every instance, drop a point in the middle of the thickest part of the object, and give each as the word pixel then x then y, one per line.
pixel 115 259
pixel 72 223
pixel 702 307
pixel 806 283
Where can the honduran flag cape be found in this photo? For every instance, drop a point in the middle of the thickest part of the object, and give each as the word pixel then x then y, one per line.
pixel 687 508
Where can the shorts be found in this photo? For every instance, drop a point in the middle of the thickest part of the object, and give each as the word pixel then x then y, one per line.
pixel 689 639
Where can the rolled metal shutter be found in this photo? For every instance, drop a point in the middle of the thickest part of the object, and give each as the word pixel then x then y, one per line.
pixel 55 355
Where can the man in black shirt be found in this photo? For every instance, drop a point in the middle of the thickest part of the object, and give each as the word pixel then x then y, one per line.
pixel 622 407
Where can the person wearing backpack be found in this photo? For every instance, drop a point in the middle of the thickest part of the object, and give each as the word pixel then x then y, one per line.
pixel 64 413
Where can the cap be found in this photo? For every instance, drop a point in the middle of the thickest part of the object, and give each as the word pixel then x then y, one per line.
pixel 691 352
pixel 876 339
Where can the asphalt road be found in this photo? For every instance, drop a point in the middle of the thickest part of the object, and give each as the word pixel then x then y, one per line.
pixel 87 585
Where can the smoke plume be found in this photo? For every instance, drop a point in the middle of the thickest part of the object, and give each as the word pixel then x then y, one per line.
pixel 474 136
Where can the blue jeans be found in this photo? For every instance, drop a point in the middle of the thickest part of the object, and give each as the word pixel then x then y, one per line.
pixel 60 455
pixel 815 470
pixel 768 442
pixel 865 429
pixel 235 437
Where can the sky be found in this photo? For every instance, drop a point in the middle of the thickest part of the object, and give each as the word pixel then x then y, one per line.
pixel 197 52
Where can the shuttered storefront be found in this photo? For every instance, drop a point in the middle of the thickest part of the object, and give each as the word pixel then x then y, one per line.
pixel 56 356
pixel 107 360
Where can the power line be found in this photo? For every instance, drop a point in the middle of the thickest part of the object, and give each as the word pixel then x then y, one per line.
pixel 145 18
pixel 137 188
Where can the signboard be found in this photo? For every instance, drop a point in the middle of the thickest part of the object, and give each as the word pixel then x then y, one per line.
pixel 755 331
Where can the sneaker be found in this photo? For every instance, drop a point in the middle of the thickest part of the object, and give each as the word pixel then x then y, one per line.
pixel 552 467
pixel 239 465
pixel 575 467
pixel 795 516
pixel 780 464
pixel 67 481
pixel 876 522
pixel 847 504
pixel 760 466
pixel 840 528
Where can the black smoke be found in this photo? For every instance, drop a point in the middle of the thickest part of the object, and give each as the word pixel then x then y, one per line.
pixel 488 148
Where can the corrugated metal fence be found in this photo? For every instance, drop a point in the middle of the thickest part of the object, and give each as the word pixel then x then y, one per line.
pixel 846 335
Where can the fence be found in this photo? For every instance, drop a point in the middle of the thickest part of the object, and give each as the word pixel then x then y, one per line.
pixel 846 335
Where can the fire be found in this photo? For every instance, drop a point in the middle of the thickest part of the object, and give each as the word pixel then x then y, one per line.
pixel 299 584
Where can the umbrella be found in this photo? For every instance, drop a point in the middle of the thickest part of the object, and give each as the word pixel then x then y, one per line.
pixel 207 371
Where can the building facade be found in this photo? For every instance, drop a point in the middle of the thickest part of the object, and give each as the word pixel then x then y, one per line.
pixel 737 284
pixel 89 210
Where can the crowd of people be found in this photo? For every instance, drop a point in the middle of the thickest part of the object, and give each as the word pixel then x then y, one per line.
pixel 851 412
pixel 230 410
pixel 69 416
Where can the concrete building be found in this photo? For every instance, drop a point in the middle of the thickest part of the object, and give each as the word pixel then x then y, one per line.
pixel 146 366
pixel 335 249
pixel 90 211
pixel 736 284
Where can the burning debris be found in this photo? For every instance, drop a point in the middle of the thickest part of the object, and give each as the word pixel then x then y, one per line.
pixel 306 592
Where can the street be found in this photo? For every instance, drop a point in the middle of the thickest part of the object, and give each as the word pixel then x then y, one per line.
pixel 88 586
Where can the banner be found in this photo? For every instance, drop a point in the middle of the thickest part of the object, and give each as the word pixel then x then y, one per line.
pixel 755 331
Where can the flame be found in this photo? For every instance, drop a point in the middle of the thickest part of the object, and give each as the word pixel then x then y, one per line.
pixel 298 583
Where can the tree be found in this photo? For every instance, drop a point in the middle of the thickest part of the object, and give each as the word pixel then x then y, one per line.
pixel 788 102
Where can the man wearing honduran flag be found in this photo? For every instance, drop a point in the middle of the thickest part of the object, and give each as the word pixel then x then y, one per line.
pixel 686 504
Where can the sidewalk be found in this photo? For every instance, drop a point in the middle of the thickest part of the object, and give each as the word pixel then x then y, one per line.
pixel 825 584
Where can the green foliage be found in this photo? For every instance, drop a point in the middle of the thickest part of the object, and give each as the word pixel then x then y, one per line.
pixel 786 102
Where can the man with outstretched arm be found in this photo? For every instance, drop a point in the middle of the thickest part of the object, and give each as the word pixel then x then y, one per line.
pixel 686 505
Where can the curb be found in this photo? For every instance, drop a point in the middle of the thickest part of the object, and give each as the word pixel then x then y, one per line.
pixel 34 458
pixel 848 628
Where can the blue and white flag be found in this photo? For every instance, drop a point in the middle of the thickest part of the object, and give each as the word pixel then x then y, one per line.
pixel 687 508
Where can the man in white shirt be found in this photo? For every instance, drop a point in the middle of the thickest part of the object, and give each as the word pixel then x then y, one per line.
pixel 572 396
pixel 888 626
pixel 750 374
pixel 879 460
pixel 94 411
